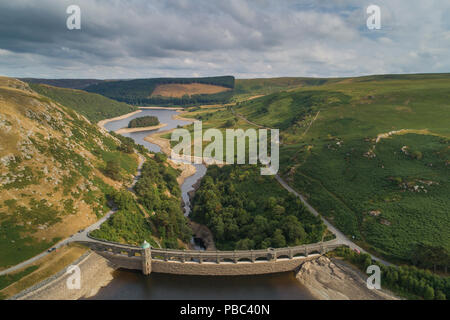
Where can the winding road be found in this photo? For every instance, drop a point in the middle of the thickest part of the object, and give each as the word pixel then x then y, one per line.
pixel 340 237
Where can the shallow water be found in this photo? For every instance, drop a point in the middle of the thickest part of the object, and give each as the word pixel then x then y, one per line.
pixel 164 116
pixel 134 285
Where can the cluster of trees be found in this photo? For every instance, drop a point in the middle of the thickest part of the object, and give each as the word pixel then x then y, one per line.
pixel 154 212
pixel 425 255
pixel 186 100
pixel 158 191
pixel 138 92
pixel 408 281
pixel 147 121
pixel 128 224
pixel 245 210
pixel 127 144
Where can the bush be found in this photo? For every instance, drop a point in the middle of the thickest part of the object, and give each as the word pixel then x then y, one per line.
pixel 112 169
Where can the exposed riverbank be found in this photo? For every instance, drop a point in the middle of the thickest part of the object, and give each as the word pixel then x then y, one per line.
pixel 102 123
pixel 161 108
pixel 164 144
pixel 180 117
pixel 96 272
pixel 337 280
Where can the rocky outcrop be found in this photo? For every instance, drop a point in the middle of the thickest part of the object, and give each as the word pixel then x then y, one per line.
pixel 335 280
pixel 202 232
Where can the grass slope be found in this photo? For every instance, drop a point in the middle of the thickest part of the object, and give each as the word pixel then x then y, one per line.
pixel 51 179
pixel 367 188
pixel 93 106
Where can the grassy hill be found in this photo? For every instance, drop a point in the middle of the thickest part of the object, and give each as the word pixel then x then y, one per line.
pixel 372 153
pixel 250 88
pixel 58 171
pixel 387 193
pixel 64 83
pixel 93 106
pixel 52 172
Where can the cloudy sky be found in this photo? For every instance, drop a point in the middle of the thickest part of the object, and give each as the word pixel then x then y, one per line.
pixel 254 38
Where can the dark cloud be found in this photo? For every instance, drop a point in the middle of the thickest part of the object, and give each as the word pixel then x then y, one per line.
pixel 141 38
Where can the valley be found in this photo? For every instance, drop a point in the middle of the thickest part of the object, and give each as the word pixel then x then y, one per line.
pixel 365 152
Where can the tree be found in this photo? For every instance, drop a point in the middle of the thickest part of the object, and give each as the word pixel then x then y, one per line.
pixel 440 295
pixel 260 224
pixel 428 256
pixel 160 157
pixel 112 169
pixel 245 244
pixel 429 293
pixel 271 202
pixel 293 229
pixel 278 210
pixel 126 147
pixel 278 240
pixel 229 123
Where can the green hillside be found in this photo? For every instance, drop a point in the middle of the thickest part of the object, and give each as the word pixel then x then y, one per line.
pixel 53 172
pixel 248 88
pixel 93 106
pixel 388 193
pixel 64 83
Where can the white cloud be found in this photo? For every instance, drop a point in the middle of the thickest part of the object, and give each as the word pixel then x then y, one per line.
pixel 246 38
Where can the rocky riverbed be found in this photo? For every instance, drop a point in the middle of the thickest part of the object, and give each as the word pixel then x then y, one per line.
pixel 336 280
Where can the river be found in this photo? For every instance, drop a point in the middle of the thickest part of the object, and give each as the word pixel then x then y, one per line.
pixel 164 116
pixel 133 285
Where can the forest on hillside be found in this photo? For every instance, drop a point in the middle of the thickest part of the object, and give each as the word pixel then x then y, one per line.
pixel 138 91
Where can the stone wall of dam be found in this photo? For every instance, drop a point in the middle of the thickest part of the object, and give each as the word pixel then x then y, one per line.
pixel 122 261
pixel 209 263
pixel 229 268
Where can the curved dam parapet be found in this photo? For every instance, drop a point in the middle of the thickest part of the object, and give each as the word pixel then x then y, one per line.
pixel 209 263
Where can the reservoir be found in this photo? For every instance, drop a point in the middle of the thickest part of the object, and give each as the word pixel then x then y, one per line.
pixel 134 285
pixel 129 284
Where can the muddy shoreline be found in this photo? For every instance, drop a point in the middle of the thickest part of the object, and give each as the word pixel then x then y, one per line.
pixel 102 123
pixel 96 271
pixel 335 279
